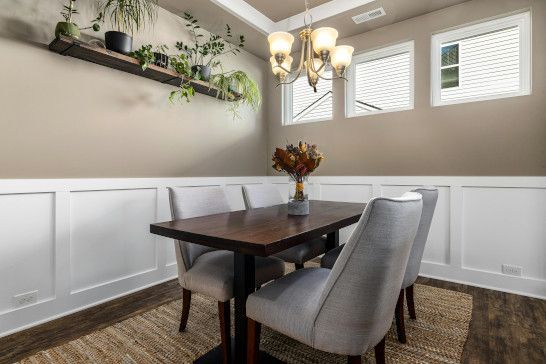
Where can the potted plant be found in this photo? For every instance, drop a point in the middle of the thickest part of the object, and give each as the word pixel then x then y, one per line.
pixel 203 54
pixel 236 86
pixel 126 16
pixel 68 27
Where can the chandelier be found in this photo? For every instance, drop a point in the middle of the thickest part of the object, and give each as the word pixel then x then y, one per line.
pixel 318 50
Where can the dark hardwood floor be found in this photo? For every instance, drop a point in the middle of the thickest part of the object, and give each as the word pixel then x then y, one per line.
pixel 505 328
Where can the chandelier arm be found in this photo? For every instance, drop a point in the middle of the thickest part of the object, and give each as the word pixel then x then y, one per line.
pixel 302 57
pixel 282 68
pixel 290 82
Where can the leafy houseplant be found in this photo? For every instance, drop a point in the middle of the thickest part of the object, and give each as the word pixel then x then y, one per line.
pixel 68 27
pixel 146 56
pixel 203 54
pixel 126 16
pixel 186 91
pixel 237 82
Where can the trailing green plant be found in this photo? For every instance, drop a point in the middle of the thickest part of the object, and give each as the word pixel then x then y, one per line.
pixel 238 82
pixel 144 55
pixel 129 15
pixel 205 52
pixel 182 66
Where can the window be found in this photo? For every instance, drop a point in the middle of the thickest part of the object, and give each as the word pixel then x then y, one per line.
pixel 301 104
pixel 483 61
pixel 380 81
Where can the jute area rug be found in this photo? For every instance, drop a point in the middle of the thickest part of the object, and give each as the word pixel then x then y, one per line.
pixel 437 336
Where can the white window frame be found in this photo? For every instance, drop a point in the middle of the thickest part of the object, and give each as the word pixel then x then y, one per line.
pixel 288 94
pixel 522 20
pixel 366 56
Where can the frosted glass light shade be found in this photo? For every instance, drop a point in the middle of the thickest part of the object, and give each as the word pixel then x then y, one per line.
pixel 280 43
pixel 341 56
pixel 324 39
pixel 287 64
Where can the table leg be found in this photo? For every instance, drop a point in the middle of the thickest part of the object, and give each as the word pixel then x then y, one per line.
pixel 244 285
pixel 332 240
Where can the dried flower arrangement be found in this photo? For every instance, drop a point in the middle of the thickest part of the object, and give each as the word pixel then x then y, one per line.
pixel 299 162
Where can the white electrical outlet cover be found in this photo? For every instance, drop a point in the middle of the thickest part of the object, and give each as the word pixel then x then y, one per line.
pixel 512 270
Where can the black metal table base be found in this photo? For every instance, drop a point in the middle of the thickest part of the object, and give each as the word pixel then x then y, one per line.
pixel 215 356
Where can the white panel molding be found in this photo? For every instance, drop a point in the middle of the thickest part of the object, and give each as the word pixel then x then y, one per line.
pixel 63 301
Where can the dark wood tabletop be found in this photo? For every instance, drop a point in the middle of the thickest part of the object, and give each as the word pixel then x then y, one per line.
pixel 263 231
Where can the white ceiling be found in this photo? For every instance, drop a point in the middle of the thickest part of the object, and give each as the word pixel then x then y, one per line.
pixel 257 18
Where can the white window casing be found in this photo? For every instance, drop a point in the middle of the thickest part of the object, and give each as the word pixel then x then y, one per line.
pixel 380 81
pixel 300 104
pixel 493 61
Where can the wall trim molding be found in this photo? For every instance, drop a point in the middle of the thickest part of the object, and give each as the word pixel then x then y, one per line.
pixel 71 217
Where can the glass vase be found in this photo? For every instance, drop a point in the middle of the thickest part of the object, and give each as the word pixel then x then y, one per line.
pixel 298 202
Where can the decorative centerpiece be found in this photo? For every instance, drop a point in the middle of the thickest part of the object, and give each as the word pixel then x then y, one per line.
pixel 299 162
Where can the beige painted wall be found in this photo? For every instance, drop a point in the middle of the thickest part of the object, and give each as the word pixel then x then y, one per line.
pixel 62 117
pixel 499 137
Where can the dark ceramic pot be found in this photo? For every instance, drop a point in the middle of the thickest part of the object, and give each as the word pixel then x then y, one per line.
pixel 204 72
pixel 161 60
pixel 118 42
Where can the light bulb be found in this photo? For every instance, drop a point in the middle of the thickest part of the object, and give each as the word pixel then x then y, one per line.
pixel 324 39
pixel 280 43
pixel 340 58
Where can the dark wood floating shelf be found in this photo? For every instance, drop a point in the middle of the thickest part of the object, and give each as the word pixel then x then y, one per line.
pixel 67 46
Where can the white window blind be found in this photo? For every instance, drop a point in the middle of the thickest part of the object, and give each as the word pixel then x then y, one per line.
pixel 302 104
pixel 488 60
pixel 381 81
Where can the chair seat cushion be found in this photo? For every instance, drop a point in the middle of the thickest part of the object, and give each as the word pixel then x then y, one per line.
pixel 301 253
pixel 289 304
pixel 329 259
pixel 212 274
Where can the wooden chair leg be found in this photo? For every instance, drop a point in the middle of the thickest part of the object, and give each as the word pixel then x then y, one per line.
pixel 225 330
pixel 380 352
pixel 411 303
pixel 253 341
pixel 354 359
pixel 399 315
pixel 186 301
pixel 298 266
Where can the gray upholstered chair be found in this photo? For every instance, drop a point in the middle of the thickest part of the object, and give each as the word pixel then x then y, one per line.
pixel 430 197
pixel 206 270
pixel 265 195
pixel 349 309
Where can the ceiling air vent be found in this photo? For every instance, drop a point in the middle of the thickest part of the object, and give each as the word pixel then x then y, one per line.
pixel 369 15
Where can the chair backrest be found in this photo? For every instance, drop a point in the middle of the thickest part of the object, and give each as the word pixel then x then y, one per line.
pixel 262 195
pixel 188 202
pixel 430 197
pixel 357 304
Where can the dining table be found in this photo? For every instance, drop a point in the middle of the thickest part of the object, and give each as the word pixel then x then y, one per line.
pixel 258 232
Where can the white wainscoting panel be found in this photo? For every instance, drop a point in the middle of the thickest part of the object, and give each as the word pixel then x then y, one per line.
pixel 27 247
pixel 81 242
pixel 110 237
pixel 505 226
